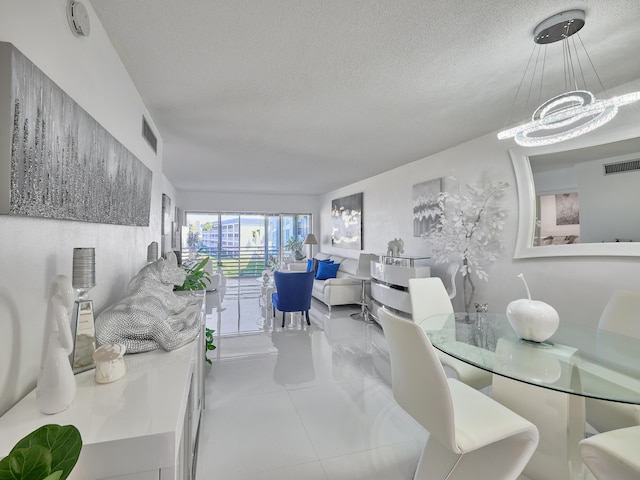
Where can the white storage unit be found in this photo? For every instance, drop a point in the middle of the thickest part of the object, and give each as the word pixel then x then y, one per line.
pixel 144 426
pixel 390 283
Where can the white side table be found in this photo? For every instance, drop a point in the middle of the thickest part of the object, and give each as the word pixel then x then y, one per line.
pixel 266 289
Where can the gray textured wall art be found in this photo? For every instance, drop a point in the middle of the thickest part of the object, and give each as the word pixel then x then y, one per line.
pixel 64 164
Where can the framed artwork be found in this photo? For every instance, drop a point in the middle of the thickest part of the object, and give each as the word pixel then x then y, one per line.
pixel 346 222
pixel 567 209
pixel 425 205
pixel 166 214
pixel 63 163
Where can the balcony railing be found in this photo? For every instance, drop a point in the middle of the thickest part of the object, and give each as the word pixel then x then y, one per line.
pixel 241 261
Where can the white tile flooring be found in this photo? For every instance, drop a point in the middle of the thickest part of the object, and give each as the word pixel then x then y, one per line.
pixel 303 402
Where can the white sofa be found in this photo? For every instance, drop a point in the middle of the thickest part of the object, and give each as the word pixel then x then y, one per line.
pixel 342 290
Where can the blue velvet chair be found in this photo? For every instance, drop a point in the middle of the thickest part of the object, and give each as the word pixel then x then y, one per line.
pixel 293 293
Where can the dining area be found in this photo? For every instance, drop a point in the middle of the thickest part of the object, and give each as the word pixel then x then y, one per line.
pixel 500 406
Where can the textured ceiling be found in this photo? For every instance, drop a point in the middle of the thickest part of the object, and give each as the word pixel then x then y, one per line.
pixel 307 96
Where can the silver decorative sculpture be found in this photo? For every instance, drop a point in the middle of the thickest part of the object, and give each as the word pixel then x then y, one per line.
pixel 83 323
pixel 151 315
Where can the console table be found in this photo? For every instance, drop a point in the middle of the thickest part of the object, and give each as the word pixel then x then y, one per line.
pixel 390 283
pixel 144 426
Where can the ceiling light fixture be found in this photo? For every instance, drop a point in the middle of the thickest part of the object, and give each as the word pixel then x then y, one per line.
pixel 574 112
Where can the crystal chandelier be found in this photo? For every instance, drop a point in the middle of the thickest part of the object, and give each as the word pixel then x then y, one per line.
pixel 574 112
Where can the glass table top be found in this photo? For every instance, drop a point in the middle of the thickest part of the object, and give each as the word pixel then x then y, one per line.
pixel 577 359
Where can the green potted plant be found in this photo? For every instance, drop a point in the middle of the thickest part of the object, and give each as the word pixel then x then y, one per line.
pixel 209 346
pixel 48 453
pixel 197 276
pixel 295 247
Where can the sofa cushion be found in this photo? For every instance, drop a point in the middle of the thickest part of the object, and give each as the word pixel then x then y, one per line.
pixel 349 266
pixel 327 270
pixel 312 265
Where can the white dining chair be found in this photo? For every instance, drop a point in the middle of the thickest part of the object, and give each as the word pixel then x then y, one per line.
pixel 430 297
pixel 471 436
pixel 620 316
pixel 613 455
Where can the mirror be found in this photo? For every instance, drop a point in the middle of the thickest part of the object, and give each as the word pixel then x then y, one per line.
pixel 580 201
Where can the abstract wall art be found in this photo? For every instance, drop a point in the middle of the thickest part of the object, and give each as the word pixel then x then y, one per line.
pixel 346 222
pixel 63 163
pixel 567 209
pixel 425 205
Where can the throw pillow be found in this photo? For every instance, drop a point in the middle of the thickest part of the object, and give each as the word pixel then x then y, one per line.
pixel 312 264
pixel 327 270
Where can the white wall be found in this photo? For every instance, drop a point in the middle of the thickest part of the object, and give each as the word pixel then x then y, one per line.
pixel 34 250
pixel 577 287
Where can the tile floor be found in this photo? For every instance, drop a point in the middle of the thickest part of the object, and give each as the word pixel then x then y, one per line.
pixel 303 402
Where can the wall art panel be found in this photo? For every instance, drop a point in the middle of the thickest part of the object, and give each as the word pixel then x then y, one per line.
pixel 346 221
pixel 64 165
pixel 425 205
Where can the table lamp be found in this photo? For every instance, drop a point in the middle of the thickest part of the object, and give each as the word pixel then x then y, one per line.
pixel 310 240
pixel 83 322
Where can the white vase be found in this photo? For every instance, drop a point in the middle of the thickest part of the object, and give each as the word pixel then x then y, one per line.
pixel 56 387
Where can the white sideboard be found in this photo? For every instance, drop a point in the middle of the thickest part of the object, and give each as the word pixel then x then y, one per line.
pixel 144 426
pixel 390 283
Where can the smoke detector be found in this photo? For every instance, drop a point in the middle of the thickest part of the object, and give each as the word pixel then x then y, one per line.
pixel 78 19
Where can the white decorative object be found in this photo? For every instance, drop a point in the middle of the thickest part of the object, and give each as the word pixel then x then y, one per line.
pixel 56 386
pixel 469 229
pixel 110 364
pixel 151 315
pixel 395 247
pixel 532 319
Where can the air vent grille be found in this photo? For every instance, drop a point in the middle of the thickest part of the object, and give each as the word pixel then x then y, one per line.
pixel 149 136
pixel 622 167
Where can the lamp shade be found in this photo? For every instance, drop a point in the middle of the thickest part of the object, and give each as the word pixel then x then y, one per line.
pixel 310 240
pixel 84 268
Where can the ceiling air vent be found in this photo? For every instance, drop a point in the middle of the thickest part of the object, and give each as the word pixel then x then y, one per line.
pixel 148 135
pixel 622 167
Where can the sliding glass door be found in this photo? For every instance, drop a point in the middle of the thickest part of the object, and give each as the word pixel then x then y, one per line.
pixel 245 244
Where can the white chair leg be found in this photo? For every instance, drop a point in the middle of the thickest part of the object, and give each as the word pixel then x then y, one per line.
pixel 490 462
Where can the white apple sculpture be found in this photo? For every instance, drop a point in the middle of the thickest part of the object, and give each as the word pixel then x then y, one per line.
pixel 531 319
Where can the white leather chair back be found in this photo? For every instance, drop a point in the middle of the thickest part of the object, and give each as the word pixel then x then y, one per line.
pixel 428 297
pixel 418 378
pixel 620 315
pixel 364 263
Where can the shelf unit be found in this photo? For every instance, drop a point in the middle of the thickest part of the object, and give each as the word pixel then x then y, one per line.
pixel 144 426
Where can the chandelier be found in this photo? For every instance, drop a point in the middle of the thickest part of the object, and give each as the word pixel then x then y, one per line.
pixel 574 112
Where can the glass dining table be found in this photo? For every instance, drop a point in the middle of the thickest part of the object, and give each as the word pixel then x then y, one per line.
pixel 545 382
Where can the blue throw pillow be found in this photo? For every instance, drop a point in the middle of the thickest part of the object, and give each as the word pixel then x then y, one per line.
pixel 310 266
pixel 327 270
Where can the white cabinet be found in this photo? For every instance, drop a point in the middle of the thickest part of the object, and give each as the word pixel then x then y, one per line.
pixel 390 283
pixel 141 427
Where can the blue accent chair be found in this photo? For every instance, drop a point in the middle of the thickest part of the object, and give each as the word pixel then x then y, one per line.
pixel 293 293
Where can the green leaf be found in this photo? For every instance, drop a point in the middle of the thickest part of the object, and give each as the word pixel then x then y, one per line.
pixel 32 463
pixel 54 476
pixel 62 444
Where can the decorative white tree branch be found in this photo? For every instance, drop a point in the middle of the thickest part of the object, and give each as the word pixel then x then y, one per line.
pixel 469 229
